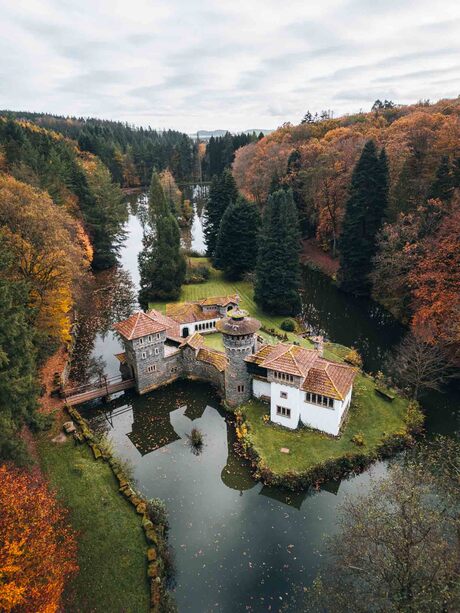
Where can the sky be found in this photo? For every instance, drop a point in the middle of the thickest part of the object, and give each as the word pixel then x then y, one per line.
pixel 224 64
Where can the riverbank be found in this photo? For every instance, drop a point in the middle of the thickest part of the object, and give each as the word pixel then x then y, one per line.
pixel 312 255
pixel 112 563
pixel 111 544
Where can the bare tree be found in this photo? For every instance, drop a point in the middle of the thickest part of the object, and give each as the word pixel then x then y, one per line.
pixel 417 365
pixel 397 550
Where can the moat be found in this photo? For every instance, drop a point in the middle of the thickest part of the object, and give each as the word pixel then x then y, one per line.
pixel 238 546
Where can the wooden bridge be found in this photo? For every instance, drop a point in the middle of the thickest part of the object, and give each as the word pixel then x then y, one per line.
pixel 102 388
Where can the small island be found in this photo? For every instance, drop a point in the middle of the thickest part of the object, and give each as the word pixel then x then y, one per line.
pixel 302 415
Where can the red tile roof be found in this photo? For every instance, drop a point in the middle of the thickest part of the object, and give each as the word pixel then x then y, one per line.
pixel 195 341
pixel 212 356
pixel 172 327
pixel 330 379
pixel 189 312
pixel 220 300
pixel 319 375
pixel 138 325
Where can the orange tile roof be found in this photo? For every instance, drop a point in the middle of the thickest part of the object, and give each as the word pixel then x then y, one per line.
pixel 319 375
pixel 329 378
pixel 212 356
pixel 121 357
pixel 189 312
pixel 138 325
pixel 195 341
pixel 220 300
pixel 286 358
pixel 172 327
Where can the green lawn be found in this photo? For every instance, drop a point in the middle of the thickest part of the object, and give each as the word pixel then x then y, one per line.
pixel 111 542
pixel 369 413
pixel 214 340
pixel 216 285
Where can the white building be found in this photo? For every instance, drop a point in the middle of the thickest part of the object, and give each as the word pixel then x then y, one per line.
pixel 301 386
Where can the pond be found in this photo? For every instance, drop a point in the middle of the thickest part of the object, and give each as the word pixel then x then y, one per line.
pixel 238 546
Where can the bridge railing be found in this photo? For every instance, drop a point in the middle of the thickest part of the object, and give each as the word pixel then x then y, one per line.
pixel 103 382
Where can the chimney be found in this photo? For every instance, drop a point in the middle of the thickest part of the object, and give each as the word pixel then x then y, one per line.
pixel 318 344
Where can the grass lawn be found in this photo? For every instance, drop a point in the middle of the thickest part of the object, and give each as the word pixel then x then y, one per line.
pixel 369 414
pixel 214 340
pixel 111 542
pixel 216 285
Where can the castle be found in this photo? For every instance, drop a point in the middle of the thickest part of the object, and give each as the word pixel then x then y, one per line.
pixel 300 385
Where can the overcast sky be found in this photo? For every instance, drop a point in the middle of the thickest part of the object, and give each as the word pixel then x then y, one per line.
pixel 224 64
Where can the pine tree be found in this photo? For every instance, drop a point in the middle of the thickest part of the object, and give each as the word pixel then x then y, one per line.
pixel 278 268
pixel 364 215
pixel 18 388
pixel 443 184
pixel 236 251
pixel 222 193
pixel 162 264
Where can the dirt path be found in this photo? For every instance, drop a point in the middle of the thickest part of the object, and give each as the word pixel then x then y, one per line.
pixel 312 253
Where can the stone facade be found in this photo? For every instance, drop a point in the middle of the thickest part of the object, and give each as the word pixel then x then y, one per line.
pixel 237 377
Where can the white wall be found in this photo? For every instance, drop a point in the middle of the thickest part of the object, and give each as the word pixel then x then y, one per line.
pixel 324 418
pixel 193 327
pixel 260 388
pixel 293 400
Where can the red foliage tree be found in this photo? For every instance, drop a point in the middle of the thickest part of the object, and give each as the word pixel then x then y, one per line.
pixel 37 546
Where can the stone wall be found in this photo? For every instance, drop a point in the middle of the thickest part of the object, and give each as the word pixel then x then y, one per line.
pixel 193 368
pixel 237 378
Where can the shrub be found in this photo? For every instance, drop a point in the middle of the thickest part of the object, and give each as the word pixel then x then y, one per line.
pixel 197 274
pixel 288 325
pixel 196 438
pixel 157 512
pixel 353 358
pixel 358 439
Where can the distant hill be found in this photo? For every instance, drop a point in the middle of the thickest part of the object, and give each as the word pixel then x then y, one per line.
pixel 206 134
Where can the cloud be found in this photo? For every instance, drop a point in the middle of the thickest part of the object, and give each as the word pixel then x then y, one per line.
pixel 199 64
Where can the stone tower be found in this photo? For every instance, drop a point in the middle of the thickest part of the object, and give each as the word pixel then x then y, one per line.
pixel 240 339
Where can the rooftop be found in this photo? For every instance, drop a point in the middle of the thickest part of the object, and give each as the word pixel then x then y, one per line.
pixel 212 356
pixel 318 375
pixel 189 312
pixel 238 324
pixel 138 325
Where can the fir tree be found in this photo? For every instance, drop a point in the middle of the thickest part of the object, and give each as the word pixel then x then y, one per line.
pixel 222 193
pixel 236 250
pixel 443 184
pixel 278 268
pixel 364 215
pixel 162 264
pixel 18 388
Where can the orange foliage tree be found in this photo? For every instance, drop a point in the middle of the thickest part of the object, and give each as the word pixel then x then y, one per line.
pixel 435 283
pixel 52 251
pixel 37 546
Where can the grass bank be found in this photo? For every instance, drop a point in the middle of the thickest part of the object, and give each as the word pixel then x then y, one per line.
pixel 111 542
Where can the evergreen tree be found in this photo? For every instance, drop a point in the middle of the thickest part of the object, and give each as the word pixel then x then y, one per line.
pixel 443 184
pixel 364 215
pixel 18 390
pixel 222 193
pixel 236 251
pixel 295 182
pixel 278 268
pixel 162 265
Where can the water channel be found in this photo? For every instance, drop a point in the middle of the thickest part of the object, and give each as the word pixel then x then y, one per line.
pixel 238 546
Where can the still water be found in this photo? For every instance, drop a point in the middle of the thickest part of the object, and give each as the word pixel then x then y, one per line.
pixel 238 546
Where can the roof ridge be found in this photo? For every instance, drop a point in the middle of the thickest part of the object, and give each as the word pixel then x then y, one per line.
pixel 332 382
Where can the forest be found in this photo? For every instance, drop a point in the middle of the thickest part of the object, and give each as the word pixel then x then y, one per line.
pixel 413 252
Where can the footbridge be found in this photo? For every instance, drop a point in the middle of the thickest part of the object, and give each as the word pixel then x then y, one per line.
pixel 103 388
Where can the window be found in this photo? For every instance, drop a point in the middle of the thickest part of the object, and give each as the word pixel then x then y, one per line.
pixel 282 376
pixel 324 401
pixel 149 339
pixel 283 394
pixel 157 350
pixel 174 369
pixel 141 341
pixel 283 411
pixel 152 368
pixel 144 355
pixel 241 388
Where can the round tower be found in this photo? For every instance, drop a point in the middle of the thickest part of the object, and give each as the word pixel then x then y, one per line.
pixel 240 338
